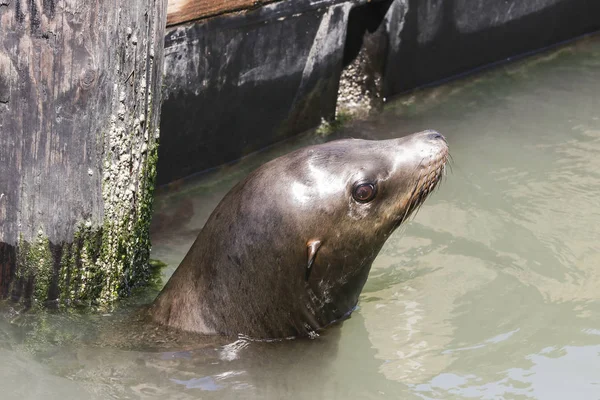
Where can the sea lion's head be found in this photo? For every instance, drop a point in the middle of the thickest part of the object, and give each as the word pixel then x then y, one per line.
pixel 288 250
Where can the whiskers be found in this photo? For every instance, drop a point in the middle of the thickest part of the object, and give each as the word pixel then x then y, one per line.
pixel 457 170
pixel 426 184
pixel 448 165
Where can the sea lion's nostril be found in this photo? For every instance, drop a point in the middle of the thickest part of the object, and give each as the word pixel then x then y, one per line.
pixel 436 136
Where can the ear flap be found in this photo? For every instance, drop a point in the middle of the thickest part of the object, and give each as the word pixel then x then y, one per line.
pixel 313 247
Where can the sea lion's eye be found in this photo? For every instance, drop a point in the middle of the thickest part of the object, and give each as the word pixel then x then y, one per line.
pixel 364 192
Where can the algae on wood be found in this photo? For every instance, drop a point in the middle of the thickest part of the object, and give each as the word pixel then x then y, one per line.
pixel 79 114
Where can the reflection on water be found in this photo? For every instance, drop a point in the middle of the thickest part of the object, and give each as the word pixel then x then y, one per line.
pixel 492 291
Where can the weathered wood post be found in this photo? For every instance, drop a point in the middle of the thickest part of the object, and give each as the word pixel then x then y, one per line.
pixel 80 85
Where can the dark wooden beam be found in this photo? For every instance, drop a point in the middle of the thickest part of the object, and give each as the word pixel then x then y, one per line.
pixel 80 86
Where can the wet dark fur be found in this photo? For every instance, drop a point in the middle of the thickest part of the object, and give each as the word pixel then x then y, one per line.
pixel 245 273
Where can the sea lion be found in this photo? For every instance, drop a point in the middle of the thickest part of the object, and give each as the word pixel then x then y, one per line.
pixel 288 250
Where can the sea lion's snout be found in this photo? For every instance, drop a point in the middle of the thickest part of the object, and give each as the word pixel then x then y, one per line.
pixel 433 150
pixel 418 169
pixel 426 146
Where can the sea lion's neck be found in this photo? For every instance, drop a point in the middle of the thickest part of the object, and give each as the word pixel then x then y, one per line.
pixel 192 304
pixel 180 306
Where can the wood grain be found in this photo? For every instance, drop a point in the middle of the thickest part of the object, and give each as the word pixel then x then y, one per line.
pixel 80 85
pixel 180 11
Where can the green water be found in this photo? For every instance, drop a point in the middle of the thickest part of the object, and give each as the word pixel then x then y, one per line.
pixel 491 292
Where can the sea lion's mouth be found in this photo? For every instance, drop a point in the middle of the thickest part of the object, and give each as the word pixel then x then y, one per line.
pixel 427 181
